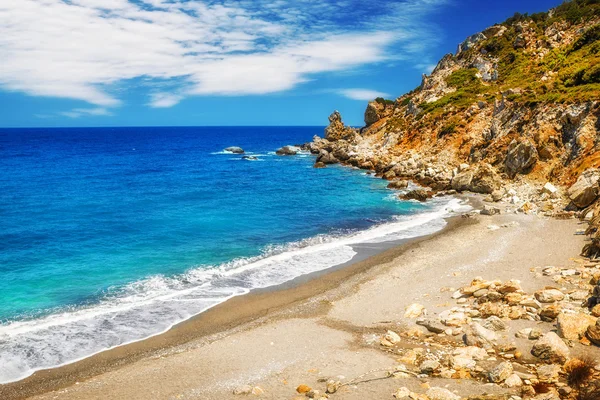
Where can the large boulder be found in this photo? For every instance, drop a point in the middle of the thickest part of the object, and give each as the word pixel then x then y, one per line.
pixel 417 194
pixel 377 110
pixel 587 188
pixel 462 181
pixel 482 179
pixel 520 157
pixel 551 348
pixel 574 326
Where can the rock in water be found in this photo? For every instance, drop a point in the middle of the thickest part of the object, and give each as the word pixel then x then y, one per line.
pixel 586 190
pixel 235 150
pixel 417 194
pixel 551 348
pixel 287 151
pixel 326 157
pixel 398 184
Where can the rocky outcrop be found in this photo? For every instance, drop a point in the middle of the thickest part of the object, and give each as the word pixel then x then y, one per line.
pixel 377 110
pixel 337 130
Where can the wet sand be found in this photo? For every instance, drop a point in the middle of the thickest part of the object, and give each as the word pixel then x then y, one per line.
pixel 313 327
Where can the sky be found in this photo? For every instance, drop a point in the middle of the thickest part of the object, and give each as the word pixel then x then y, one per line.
pixel 91 63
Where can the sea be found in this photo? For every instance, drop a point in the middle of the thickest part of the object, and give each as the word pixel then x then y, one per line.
pixel 112 235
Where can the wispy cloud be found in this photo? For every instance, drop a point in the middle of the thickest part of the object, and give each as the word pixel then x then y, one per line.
pixel 80 112
pixel 84 49
pixel 362 94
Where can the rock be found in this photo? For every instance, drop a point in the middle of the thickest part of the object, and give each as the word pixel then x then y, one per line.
pixel 513 381
pixel 319 164
pixel 593 333
pixel 487 210
pixel 438 393
pixel 417 194
pixel 497 195
pixel 390 339
pixel 432 325
pixel 400 184
pixel 520 157
pixel 287 151
pixel 549 189
pixel 500 372
pixel 549 295
pixel 523 333
pixel 586 190
pixel 596 310
pixel 574 326
pixel 250 158
pixel 402 393
pixel 414 310
pixel 551 348
pixel 337 130
pixel 332 386
pixel 235 150
pixel 453 318
pixel 377 110
pixel 510 287
pixel 495 324
pixel 243 390
pixel 326 158
pixel 548 373
pixel 485 180
pixel 549 313
pixel 429 367
pixel 302 389
pixel 479 336
pixel 462 181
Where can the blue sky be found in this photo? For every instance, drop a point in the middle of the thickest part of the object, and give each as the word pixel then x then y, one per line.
pixel 223 62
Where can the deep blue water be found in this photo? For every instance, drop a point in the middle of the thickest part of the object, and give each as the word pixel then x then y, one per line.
pixel 109 235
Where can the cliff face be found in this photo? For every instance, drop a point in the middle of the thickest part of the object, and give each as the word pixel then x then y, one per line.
pixel 518 104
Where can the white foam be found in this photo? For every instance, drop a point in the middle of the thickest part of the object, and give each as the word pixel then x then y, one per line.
pixel 152 306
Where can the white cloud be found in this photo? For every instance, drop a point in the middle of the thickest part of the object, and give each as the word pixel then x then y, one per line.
pixel 362 94
pixel 80 112
pixel 164 100
pixel 85 49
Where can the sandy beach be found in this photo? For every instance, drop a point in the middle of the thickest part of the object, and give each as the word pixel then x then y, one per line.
pixel 323 327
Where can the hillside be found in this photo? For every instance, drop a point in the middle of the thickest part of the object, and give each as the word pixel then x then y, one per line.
pixel 517 106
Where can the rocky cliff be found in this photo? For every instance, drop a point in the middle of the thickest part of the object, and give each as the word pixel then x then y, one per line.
pixel 515 111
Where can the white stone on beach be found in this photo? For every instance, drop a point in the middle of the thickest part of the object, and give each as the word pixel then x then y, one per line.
pixel 414 311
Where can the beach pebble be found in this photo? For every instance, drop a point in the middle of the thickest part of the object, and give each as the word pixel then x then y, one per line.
pixel 243 390
pixel 438 393
pixel 414 311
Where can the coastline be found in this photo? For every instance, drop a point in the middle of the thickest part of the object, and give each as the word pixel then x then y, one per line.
pixel 235 314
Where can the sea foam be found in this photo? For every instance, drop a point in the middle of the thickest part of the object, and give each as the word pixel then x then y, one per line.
pixel 151 306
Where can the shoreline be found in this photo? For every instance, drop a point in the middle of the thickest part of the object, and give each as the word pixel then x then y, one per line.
pixel 235 314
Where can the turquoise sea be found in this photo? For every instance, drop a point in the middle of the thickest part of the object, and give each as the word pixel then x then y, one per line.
pixel 112 235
